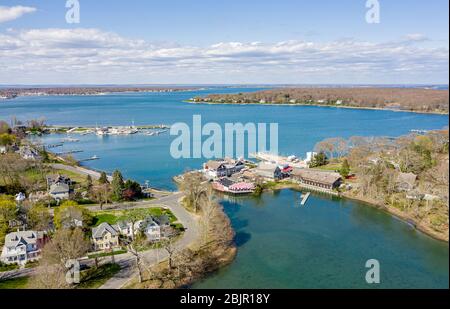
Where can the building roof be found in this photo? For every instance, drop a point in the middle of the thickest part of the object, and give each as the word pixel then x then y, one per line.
pixel 407 178
pixel 22 237
pixel 59 187
pixel 162 220
pixel 99 231
pixel 317 176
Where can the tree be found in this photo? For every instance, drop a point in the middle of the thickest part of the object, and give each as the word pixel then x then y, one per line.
pixel 103 178
pixel 132 216
pixel 193 187
pixel 89 183
pixel 70 215
pixel 345 169
pixel 66 245
pixel 7 139
pixel 8 212
pixel 38 218
pixel 117 186
pixel 4 127
pixel 319 159
pixel 101 194
pixel 132 190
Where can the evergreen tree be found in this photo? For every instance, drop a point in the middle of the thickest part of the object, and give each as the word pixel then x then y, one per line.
pixel 345 169
pixel 117 185
pixel 319 159
pixel 103 178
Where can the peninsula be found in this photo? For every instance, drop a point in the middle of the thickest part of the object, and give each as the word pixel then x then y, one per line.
pixel 403 99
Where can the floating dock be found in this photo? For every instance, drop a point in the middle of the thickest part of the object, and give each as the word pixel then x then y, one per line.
pixel 305 198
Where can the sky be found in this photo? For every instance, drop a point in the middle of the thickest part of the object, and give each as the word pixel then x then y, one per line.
pixel 224 42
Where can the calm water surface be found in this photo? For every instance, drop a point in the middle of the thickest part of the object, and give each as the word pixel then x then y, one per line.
pixel 325 244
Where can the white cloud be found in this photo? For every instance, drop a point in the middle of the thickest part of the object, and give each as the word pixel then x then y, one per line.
pixel 91 55
pixel 14 12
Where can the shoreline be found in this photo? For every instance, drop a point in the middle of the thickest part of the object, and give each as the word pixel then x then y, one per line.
pixel 389 210
pixel 320 105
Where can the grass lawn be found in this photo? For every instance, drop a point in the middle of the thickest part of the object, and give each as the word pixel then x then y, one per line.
pixel 114 216
pixel 16 283
pixel 105 217
pixel 95 277
pixel 330 167
pixel 103 254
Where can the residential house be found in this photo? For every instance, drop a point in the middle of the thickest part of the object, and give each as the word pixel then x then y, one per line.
pixel 22 247
pixel 29 153
pixel 405 182
pixel 3 149
pixel 317 179
pixel 54 179
pixel 223 167
pixel 59 191
pixel 152 229
pixel 125 228
pixel 20 197
pixel 105 237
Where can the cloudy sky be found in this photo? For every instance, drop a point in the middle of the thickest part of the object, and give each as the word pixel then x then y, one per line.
pixel 203 42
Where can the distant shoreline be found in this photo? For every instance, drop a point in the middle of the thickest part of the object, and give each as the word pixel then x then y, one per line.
pixel 318 105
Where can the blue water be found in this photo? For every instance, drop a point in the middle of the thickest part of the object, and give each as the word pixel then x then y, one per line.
pixel 323 245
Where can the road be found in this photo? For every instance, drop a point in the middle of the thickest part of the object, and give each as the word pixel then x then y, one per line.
pixel 152 257
pixel 79 170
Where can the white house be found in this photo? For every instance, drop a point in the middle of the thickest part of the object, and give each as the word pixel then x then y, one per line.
pixel 29 153
pixel 22 247
pixel 2 149
pixel 20 197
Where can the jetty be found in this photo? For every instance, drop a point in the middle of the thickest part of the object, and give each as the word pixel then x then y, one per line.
pixel 68 152
pixel 305 198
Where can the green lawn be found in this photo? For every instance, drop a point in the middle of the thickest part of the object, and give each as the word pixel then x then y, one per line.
pixel 95 277
pixel 104 254
pixel 16 283
pixel 105 217
pixel 114 216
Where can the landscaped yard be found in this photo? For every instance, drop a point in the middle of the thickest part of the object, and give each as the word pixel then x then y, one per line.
pixel 114 216
pixel 16 283
pixel 95 277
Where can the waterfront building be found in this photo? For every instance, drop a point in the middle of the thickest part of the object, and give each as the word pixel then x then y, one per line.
pixel 222 167
pixel 317 179
pixel 22 247
pixel 228 186
pixel 29 153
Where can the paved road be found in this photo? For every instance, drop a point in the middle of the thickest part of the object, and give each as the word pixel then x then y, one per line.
pixel 152 257
pixel 127 261
pixel 79 170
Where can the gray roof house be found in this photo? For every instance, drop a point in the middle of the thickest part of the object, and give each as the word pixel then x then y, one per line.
pixel 59 191
pixel 105 237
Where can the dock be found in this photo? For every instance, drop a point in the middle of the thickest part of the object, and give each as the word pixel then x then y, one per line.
pixel 305 198
pixel 68 152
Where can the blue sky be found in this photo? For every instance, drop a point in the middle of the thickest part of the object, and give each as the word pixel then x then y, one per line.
pixel 204 41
